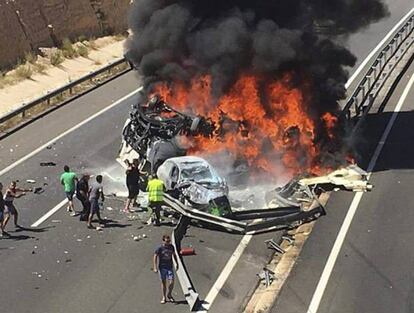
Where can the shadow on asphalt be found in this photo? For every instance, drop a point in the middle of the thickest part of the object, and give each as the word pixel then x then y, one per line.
pixel 13 236
pixel 400 149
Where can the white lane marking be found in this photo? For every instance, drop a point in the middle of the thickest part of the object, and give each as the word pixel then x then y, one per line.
pixel 231 263
pixel 49 214
pixel 323 281
pixel 373 52
pixel 36 151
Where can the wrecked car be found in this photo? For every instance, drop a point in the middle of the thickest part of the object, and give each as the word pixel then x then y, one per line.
pixel 195 182
pixel 150 133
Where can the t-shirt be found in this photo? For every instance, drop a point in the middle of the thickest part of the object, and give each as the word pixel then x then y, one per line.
pixel 68 179
pixel 82 186
pixel 132 177
pixel 165 255
pixel 1 202
pixel 96 190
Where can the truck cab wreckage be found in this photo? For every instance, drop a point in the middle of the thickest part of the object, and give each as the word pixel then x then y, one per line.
pixel 151 135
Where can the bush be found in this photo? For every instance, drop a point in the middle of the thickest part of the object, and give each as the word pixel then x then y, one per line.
pixel 56 58
pixel 119 37
pixel 24 71
pixel 92 44
pixel 30 57
pixel 40 67
pixel 68 50
pixel 83 50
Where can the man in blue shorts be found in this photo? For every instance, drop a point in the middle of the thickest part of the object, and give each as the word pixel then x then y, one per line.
pixel 68 179
pixel 163 262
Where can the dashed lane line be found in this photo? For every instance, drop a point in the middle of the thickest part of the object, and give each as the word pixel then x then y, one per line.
pixel 323 281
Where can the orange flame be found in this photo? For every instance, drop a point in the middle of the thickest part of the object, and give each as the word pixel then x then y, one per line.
pixel 267 124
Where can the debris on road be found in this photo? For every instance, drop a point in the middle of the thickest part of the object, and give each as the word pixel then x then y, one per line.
pixel 56 221
pixel 187 251
pixel 47 164
pixel 351 178
pixel 267 276
pixel 30 181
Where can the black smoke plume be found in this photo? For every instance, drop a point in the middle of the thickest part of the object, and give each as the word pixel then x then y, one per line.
pixel 178 40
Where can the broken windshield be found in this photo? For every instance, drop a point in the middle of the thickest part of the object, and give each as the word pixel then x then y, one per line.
pixel 199 173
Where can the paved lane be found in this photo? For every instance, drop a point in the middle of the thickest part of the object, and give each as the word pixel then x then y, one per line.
pixel 371 273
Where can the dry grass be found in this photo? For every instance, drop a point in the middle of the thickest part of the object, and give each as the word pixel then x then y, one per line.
pixel 30 57
pixel 24 71
pixel 119 37
pixel 83 50
pixel 40 68
pixel 56 58
pixel 92 44
pixel 68 50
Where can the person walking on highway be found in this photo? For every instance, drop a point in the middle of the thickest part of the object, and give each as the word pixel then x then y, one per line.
pixel 3 232
pixel 155 190
pixel 95 193
pixel 12 192
pixel 163 262
pixel 132 182
pixel 82 193
pixel 68 179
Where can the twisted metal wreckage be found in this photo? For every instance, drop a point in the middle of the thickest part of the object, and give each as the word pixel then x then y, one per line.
pixel 150 134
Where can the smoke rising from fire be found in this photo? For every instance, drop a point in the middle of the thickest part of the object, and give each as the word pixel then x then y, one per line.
pixel 177 43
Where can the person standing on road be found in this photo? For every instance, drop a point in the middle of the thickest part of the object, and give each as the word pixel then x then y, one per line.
pixel 3 233
pixel 12 193
pixel 155 190
pixel 163 262
pixel 95 193
pixel 68 179
pixel 82 193
pixel 132 182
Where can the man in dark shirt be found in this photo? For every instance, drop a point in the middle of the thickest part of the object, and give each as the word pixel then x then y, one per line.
pixel 3 233
pixel 82 193
pixel 132 182
pixel 163 262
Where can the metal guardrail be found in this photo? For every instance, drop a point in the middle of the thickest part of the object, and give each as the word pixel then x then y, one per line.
pixel 362 99
pixel 55 93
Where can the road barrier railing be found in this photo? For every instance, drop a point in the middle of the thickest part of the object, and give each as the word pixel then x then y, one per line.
pixel 68 89
pixel 381 69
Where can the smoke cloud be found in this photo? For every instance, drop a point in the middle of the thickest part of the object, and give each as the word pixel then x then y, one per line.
pixel 177 40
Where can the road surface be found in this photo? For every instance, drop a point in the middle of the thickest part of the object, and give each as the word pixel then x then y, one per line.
pixel 60 266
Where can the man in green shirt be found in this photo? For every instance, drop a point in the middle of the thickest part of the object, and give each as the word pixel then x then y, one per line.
pixel 68 179
pixel 155 190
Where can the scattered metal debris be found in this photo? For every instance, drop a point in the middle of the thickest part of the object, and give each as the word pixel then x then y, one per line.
pixel 267 276
pixel 271 244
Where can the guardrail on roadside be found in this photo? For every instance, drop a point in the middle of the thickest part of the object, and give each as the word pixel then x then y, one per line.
pixel 362 99
pixel 58 92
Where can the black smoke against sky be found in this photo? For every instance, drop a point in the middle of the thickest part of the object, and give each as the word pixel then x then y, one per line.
pixel 180 40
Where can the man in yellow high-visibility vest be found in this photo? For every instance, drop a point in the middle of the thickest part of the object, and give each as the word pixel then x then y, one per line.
pixel 155 190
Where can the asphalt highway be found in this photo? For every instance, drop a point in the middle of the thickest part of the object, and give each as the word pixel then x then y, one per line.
pixel 61 266
pixel 371 272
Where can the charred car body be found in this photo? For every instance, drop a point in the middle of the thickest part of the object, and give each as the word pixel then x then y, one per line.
pixel 194 188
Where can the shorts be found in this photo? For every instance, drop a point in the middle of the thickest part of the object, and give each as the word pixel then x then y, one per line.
pixel 166 274
pixel 133 191
pixel 94 206
pixel 69 195
pixel 10 208
pixel 1 216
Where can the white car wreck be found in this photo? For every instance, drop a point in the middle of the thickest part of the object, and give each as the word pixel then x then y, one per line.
pixel 194 182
